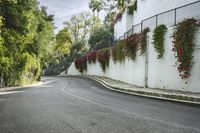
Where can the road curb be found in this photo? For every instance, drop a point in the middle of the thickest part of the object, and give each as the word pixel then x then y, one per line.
pixel 19 87
pixel 174 98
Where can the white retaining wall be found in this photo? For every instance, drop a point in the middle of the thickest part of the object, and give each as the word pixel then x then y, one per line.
pixel 162 73
pixel 148 8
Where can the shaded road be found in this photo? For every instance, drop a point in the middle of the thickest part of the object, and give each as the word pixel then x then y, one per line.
pixel 76 105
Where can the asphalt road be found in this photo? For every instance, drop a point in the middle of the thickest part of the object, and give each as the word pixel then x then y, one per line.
pixel 78 105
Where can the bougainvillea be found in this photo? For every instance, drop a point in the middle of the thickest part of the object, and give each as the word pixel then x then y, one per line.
pixel 184 46
pixel 91 57
pixel 103 56
pixel 81 64
pixel 143 44
pixel 131 45
pixel 118 54
pixel 158 39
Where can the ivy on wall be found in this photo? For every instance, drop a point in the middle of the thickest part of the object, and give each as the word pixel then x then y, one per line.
pixel 103 57
pixel 118 54
pixel 184 46
pixel 91 57
pixel 131 46
pixel 158 39
pixel 143 45
pixel 81 64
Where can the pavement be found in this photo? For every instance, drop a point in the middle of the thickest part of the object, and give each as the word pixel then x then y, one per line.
pixel 170 95
pixel 82 105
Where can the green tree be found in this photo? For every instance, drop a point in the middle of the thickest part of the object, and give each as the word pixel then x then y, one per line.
pixel 26 32
pixel 100 37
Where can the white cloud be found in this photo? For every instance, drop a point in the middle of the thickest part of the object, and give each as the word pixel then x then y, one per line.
pixel 64 9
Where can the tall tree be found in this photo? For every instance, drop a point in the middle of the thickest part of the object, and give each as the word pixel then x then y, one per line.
pixel 27 31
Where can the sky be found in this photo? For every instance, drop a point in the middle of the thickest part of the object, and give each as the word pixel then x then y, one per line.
pixel 64 9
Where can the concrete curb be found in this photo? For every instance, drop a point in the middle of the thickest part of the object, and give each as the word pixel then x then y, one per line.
pixel 19 87
pixel 162 96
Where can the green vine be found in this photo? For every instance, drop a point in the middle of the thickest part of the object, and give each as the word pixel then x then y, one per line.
pixel 184 46
pixel 103 57
pixel 131 46
pixel 132 7
pixel 143 45
pixel 158 40
pixel 118 52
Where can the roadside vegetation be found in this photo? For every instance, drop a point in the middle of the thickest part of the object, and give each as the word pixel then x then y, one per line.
pixel 25 41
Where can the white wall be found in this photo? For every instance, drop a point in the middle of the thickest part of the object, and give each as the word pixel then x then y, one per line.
pixel 162 73
pixel 148 8
pixel 120 27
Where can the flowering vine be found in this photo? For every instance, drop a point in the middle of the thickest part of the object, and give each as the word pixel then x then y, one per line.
pixel 184 46
pixel 103 57
pixel 81 64
pixel 91 57
pixel 118 52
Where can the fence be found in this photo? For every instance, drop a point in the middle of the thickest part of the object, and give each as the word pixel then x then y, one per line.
pixel 169 18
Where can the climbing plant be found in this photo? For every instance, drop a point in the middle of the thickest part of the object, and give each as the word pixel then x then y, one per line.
pixel 118 54
pixel 81 64
pixel 132 7
pixel 103 57
pixel 184 46
pixel 158 40
pixel 131 45
pixel 91 57
pixel 143 45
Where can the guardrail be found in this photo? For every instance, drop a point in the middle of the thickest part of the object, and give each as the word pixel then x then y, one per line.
pixel 169 18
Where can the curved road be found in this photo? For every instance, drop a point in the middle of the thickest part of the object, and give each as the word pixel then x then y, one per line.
pixel 79 105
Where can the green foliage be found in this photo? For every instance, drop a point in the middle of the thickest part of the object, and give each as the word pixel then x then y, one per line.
pixel 143 44
pixel 100 36
pixel 103 57
pixel 26 33
pixel 118 52
pixel 63 42
pixel 132 7
pixel 184 46
pixel 131 46
pixel 158 40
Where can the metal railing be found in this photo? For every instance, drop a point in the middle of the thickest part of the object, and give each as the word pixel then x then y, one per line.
pixel 169 18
